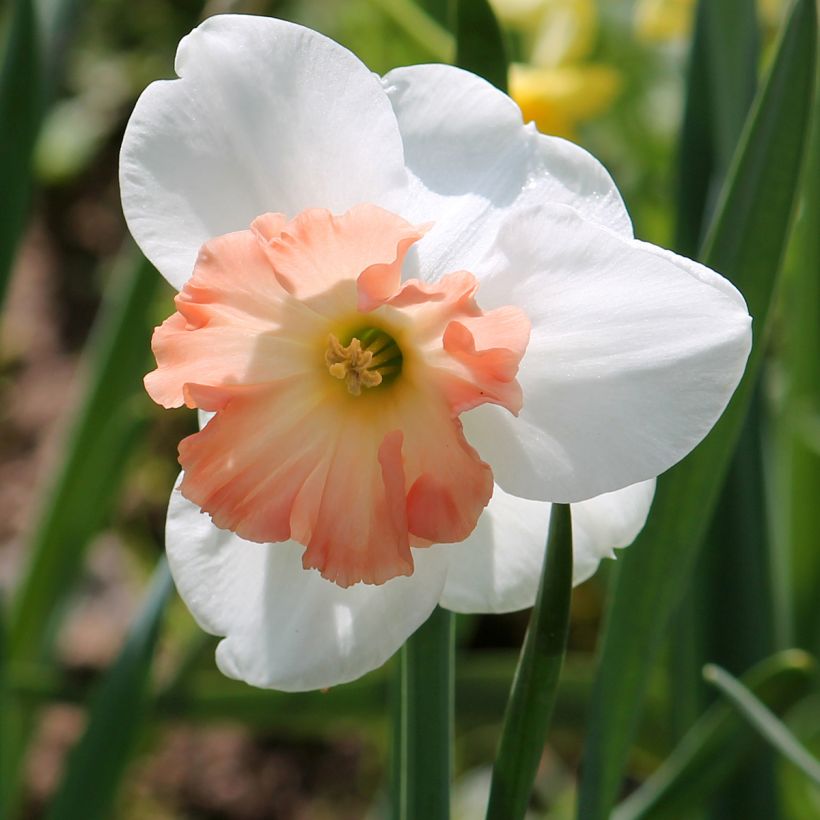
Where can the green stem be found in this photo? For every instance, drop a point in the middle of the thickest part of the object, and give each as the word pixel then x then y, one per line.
pixel 423 722
pixel 532 698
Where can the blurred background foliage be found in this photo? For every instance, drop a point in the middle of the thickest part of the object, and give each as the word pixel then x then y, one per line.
pixel 110 704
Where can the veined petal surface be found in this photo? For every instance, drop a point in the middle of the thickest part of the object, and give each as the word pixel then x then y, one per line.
pixel 266 116
pixel 473 161
pixel 498 568
pixel 285 627
pixel 634 353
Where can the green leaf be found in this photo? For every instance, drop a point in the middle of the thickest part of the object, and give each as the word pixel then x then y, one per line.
pixel 736 592
pixel 532 698
pixel 479 42
pixel 798 444
pixel 423 722
pixel 761 718
pixel 720 87
pixel 21 111
pixel 425 29
pixel 6 771
pixel 745 243
pixel 718 744
pixel 106 426
pixel 33 60
pixel 115 718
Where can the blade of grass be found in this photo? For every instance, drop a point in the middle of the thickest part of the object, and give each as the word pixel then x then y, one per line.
pixel 532 698
pixel 718 744
pixel 796 562
pixel 423 724
pixel 773 730
pixel 115 717
pixel 106 427
pixel 737 593
pixel 720 87
pixel 423 28
pixel 746 243
pixel 479 42
pixel 86 483
pixel 33 59
pixel 21 111
pixel 6 771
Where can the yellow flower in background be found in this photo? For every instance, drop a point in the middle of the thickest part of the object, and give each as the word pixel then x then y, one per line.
pixel 668 20
pixel 664 20
pixel 557 88
pixel 557 99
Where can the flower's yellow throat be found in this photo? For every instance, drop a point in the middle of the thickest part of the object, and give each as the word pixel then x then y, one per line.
pixel 370 359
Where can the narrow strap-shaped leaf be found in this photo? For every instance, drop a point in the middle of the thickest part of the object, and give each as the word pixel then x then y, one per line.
pixel 6 771
pixel 107 425
pixel 746 243
pixel 720 87
pixel 21 109
pixel 797 564
pixel 116 714
pixel 532 698
pixel 479 42
pixel 427 31
pixel 728 607
pixel 94 456
pixel 423 725
pixel 768 725
pixel 719 92
pixel 718 744
pixel 696 153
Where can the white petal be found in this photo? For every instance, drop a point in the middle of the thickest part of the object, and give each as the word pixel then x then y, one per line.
pixel 497 569
pixel 473 161
pixel 633 356
pixel 268 116
pixel 285 627
pixel 607 522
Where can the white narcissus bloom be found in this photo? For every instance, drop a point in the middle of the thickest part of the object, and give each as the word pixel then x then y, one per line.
pixel 417 322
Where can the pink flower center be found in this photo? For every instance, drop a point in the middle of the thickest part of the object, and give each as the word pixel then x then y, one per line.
pixel 336 389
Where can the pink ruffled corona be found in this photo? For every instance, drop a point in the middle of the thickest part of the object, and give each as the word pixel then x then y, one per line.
pixel 337 390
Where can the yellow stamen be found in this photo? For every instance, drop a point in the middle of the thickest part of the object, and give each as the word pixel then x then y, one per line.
pixel 360 366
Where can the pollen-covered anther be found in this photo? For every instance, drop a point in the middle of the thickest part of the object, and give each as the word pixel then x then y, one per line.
pixel 362 366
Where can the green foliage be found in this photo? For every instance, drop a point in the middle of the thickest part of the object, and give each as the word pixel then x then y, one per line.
pixel 115 717
pixel 479 42
pixel 762 719
pixel 746 243
pixel 798 435
pixel 106 427
pixel 21 106
pixel 532 697
pixel 718 744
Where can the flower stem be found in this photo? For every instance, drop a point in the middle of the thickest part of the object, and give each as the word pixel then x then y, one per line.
pixel 423 723
pixel 532 697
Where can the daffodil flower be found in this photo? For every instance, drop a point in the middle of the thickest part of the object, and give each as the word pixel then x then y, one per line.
pixel 558 87
pixel 664 20
pixel 410 322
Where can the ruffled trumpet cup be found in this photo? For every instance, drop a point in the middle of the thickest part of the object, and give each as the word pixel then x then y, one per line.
pixel 411 322
pixel 351 381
